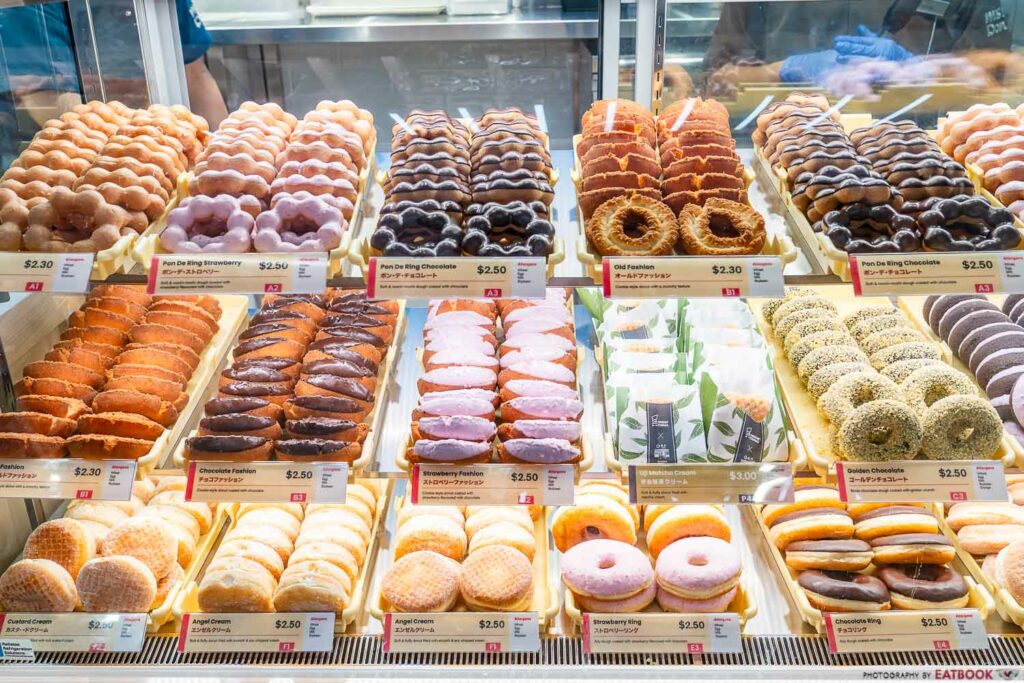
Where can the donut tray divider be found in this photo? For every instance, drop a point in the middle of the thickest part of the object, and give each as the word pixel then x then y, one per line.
pixel 188 598
pixel 545 590
pixel 375 418
pixel 775 245
pixel 1009 609
pixel 148 244
pixel 586 455
pixel 978 597
pixel 233 310
pixel 1011 452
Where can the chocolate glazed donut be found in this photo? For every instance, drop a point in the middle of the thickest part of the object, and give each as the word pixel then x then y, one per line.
pixel 230 448
pixel 325 406
pixel 240 424
pixel 316 450
pixel 252 405
pixel 924 586
pixel 844 591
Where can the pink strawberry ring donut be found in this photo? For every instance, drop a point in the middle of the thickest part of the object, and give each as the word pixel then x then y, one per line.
pixel 315 167
pixel 202 224
pixel 307 225
pixel 340 203
pixel 674 603
pixel 606 570
pixel 698 569
pixel 634 603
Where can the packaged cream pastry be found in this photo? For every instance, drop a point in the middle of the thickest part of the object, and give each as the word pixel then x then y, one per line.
pixel 660 423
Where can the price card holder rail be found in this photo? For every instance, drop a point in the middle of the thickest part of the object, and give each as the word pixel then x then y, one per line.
pixel 76 631
pixel 946 481
pixel 67 479
pixel 978 596
pixel 711 483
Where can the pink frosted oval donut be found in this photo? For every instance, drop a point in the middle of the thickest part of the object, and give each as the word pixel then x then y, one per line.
pixel 463 356
pixel 556 311
pixel 634 603
pixel 208 224
pixel 606 569
pixel 538 339
pixel 475 394
pixel 469 344
pixel 462 427
pixel 544 451
pixel 456 318
pixel 532 354
pixel 566 430
pixel 698 567
pixel 539 388
pixel 542 369
pixel 461 377
pixel 294 225
pixel 674 603
pixel 537 325
pixel 451 450
pixel 440 403
pixel 546 407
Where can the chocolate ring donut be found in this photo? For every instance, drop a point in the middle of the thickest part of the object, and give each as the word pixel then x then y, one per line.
pixel 417 232
pixel 965 223
pixel 925 586
pixel 512 229
pixel 835 591
pixel 859 228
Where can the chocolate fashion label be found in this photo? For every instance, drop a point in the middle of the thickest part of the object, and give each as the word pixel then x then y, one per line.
pixel 238 274
pixel 272 632
pixel 692 276
pixel 940 481
pixel 653 632
pixel 711 483
pixel 899 630
pixel 67 478
pixel 42 272
pixel 76 631
pixel 492 484
pixel 462 632
pixel 267 482
pixel 935 273
pixel 456 278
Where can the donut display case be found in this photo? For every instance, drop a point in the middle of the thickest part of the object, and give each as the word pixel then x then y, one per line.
pixel 512 339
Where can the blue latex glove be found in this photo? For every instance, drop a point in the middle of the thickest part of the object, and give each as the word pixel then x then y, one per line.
pixel 809 67
pixel 867 43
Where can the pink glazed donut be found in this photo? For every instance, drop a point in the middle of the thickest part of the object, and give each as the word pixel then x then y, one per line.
pixel 213 225
pixel 606 569
pixel 307 225
pixel 634 603
pixel 718 603
pixel 698 568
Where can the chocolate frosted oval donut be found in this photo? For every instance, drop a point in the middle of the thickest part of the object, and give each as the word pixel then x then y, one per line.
pixel 241 424
pixel 834 591
pixel 256 388
pixel 254 373
pixel 290 368
pixel 924 586
pixel 344 386
pixel 351 334
pixel 324 406
pixel 234 448
pixel 343 351
pixel 323 428
pixel 326 449
pixel 241 404
pixel 338 368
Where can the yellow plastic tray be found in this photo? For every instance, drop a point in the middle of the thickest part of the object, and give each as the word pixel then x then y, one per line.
pixel 810 426
pixel 913 306
pixel 1007 607
pixel 978 597
pixel 776 245
pixel 375 417
pixel 188 599
pixel 545 593
pixel 148 244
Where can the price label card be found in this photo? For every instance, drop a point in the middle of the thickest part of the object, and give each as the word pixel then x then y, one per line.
pixel 16 650
pixel 458 278
pixel 267 482
pixel 67 478
pixel 694 276
pixel 922 480
pixel 493 484
pixel 905 631
pixel 740 482
pixel 654 632
pixel 271 632
pixel 38 272
pixel 462 632
pixel 937 273
pixel 77 631
pixel 238 274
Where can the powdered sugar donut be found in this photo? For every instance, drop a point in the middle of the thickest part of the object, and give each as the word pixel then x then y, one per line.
pixel 293 225
pixel 208 224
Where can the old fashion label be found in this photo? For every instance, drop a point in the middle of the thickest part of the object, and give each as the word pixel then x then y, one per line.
pixel 238 274
pixel 456 278
pixel 693 276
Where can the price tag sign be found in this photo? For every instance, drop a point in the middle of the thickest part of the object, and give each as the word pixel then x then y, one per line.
pixel 16 651
pixel 270 632
pixel 493 484
pixel 267 482
pixel 921 480
pixel 898 630
pixel 462 632
pixel 694 276
pixel 238 274
pixel 456 278
pixel 654 632
pixel 740 482
pixel 937 273
pixel 67 478
pixel 76 631
pixel 37 272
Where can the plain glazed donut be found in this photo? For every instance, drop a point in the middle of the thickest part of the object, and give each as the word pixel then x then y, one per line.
pixel 682 521
pixel 592 517
pixel 606 569
pixel 844 591
pixel 924 586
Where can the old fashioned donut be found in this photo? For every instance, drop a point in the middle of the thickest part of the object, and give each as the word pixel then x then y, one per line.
pixel 633 225
pixel 961 427
pixel 881 430
pixel 721 227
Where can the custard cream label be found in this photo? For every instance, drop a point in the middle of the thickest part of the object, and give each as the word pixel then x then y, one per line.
pixel 67 478
pixel 661 632
pixel 76 631
pixel 937 273
pixel 905 630
pixel 267 482
pixel 941 481
pixel 462 632
pixel 273 632
pixel 633 277
pixel 238 274
pixel 456 278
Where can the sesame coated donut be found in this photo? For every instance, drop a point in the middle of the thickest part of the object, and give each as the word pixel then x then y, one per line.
pixel 791 320
pixel 854 390
pixel 809 327
pixel 879 431
pixel 902 369
pixel 828 355
pixel 865 328
pixel 898 352
pixel 822 380
pixel 867 312
pixel 772 305
pixel 883 339
pixel 961 428
pixel 928 384
pixel 800 304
